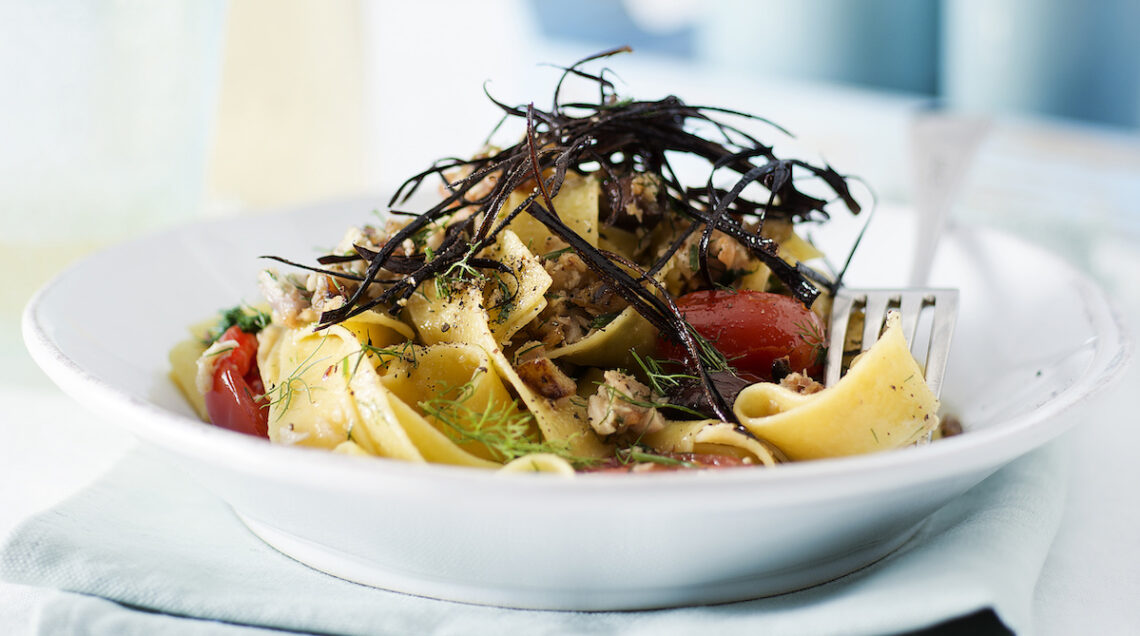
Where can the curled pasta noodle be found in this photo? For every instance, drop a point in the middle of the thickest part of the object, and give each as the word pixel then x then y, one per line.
pixel 463 315
pixel 328 392
pixel 880 404
pixel 714 437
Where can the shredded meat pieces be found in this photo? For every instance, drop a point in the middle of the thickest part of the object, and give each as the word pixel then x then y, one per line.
pixel 570 277
pixel 561 322
pixel 295 303
pixel 478 192
pixel 801 383
pixel 327 293
pixel 575 299
pixel 726 255
pixel 619 407
pixel 567 271
pixel 287 297
pixel 546 378
pixel 631 201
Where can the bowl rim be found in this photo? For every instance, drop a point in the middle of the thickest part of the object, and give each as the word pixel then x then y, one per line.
pixel 185 436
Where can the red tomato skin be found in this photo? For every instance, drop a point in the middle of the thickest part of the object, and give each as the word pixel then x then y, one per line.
pixel 235 401
pixel 752 329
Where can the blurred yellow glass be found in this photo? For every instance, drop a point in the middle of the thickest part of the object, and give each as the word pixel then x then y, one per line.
pixel 291 125
pixel 126 117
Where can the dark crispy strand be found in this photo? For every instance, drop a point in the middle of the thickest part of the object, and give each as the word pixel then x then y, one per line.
pixel 775 175
pixel 409 186
pixel 535 166
pixel 610 139
pixel 329 272
pixel 720 209
pixel 332 259
pixel 602 82
pixel 660 311
pixel 714 399
pixel 768 250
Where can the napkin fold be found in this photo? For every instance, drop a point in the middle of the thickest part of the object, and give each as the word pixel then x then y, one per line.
pixel 146 550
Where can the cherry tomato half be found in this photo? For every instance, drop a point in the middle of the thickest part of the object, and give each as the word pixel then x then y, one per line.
pixel 752 329
pixel 235 401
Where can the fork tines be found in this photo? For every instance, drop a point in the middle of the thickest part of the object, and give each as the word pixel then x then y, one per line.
pixel 935 310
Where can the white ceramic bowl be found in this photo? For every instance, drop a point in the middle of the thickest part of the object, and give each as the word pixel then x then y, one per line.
pixel 1034 337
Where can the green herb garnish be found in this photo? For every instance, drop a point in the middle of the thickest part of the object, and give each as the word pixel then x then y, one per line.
pixel 506 431
pixel 602 320
pixel 248 319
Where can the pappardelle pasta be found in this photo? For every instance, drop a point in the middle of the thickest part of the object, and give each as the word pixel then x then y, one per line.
pixel 567 306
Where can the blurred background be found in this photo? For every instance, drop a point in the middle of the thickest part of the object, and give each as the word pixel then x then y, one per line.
pixel 122 117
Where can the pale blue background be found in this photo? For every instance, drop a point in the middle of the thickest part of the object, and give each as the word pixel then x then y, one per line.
pixel 1061 58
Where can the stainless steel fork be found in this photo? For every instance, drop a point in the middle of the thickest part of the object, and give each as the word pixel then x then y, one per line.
pixel 935 310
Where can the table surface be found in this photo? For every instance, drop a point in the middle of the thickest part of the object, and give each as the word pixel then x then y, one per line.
pixel 1091 579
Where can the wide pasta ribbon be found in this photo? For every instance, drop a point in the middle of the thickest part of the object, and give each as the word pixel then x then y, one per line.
pixel 459 316
pixel 458 382
pixel 882 403
pixel 326 392
pixel 577 205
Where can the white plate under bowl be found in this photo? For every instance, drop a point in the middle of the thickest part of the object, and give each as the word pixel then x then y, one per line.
pixel 1034 337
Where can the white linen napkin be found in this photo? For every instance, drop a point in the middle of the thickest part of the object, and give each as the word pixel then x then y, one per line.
pixel 147 550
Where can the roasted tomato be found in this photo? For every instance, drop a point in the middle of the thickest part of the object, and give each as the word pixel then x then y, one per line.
pixel 236 400
pixel 753 330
